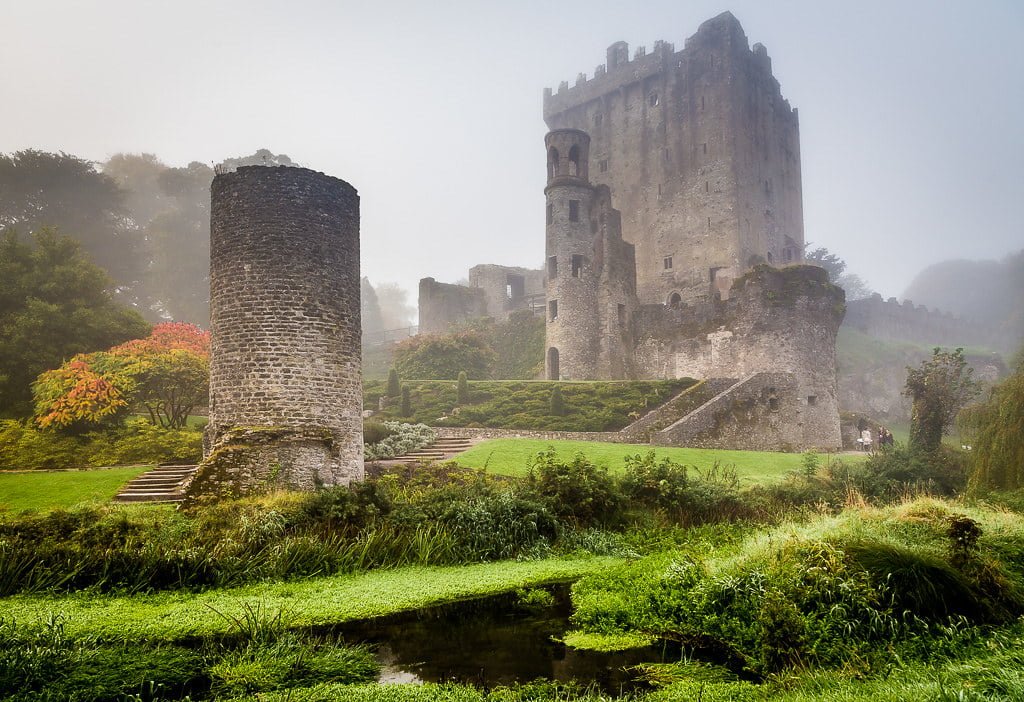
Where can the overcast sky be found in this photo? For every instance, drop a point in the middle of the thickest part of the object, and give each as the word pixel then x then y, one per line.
pixel 911 113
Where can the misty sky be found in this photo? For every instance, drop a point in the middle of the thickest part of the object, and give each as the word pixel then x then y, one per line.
pixel 911 113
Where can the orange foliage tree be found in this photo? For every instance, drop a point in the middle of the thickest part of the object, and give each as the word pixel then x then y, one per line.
pixel 167 374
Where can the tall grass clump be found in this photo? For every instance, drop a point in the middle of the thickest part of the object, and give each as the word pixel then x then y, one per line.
pixel 835 592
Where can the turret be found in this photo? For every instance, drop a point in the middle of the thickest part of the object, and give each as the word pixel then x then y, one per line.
pixel 572 276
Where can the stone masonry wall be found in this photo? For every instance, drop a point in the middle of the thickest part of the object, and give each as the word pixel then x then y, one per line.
pixel 775 320
pixel 444 304
pixel 891 320
pixel 755 414
pixel 285 382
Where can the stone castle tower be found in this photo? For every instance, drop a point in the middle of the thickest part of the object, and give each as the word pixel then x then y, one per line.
pixel 591 271
pixel 285 380
pixel 702 156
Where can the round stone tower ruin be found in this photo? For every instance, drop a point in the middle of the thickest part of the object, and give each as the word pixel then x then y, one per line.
pixel 572 314
pixel 285 377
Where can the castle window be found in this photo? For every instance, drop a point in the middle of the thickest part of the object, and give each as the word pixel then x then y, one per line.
pixel 705 146
pixel 622 317
pixel 551 213
pixel 604 166
pixel 574 160
pixel 675 301
pixel 552 267
pixel 552 163
pixel 707 187
pixel 654 100
pixel 598 118
pixel 709 223
pixel 773 404
pixel 771 259
pixel 812 400
pixel 702 102
pixel 787 255
pixel 552 310
pixel 574 210
pixel 577 265
pixel 668 263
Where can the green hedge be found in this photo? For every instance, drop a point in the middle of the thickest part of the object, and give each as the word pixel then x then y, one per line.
pixel 519 404
pixel 25 447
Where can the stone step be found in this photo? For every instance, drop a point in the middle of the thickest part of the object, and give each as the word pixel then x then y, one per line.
pixel 161 484
pixel 148 497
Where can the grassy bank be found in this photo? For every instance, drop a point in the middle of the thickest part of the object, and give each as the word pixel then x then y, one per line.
pixel 34 492
pixel 330 600
pixel 513 457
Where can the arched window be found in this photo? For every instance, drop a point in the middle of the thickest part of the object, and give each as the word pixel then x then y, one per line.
pixel 574 160
pixel 553 364
pixel 552 163
pixel 675 301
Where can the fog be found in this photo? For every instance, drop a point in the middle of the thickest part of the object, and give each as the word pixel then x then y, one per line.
pixel 911 135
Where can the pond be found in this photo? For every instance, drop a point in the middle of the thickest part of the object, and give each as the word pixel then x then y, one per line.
pixel 494 641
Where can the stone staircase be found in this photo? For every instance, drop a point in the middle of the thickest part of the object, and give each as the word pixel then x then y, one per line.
pixel 441 450
pixel 162 484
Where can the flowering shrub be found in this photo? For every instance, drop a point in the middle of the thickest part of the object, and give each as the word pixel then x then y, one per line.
pixel 403 439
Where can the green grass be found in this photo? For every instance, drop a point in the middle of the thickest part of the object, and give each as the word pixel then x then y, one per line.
pixel 45 490
pixel 513 457
pixel 525 404
pixel 180 615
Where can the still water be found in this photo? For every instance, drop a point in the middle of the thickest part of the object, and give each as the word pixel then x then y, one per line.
pixel 493 641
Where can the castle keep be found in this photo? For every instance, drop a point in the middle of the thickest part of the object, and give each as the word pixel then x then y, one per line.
pixel 285 381
pixel 674 241
pixel 701 154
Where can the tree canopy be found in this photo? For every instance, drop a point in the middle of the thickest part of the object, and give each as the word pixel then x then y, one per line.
pixel 54 304
pixel 443 356
pixel 167 374
pixel 938 388
pixel 997 430
pixel 39 189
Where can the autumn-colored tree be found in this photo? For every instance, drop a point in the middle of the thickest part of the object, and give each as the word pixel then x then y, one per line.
pixel 167 374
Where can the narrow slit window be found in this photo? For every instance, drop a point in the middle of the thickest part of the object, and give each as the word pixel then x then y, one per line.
pixel 551 214
pixel 668 263
pixel 577 266
pixel 812 400
pixel 705 147
pixel 654 100
pixel 574 211
pixel 604 166
pixel 553 310
pixel 552 267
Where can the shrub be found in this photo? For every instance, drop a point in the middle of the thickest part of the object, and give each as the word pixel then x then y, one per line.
pixel 406 402
pixel 400 439
pixel 443 356
pixel 689 495
pixel 556 403
pixel 25 447
pixel 394 387
pixel 374 432
pixel 576 490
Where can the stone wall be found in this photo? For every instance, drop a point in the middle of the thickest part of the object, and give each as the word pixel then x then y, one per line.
pixel 894 321
pixel 507 288
pixel 444 304
pixel 762 412
pixel 701 153
pixel 484 433
pixel 775 320
pixel 285 384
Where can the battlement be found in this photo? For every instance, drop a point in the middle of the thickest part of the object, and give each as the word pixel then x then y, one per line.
pixel 718 33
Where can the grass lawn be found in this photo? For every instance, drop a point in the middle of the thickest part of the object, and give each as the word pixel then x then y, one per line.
pixel 173 616
pixel 513 456
pixel 44 490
